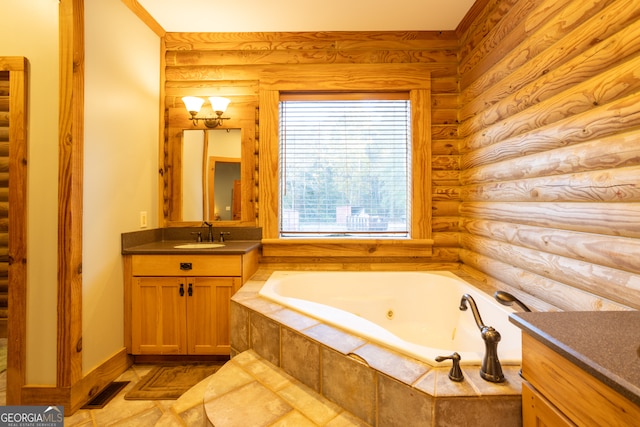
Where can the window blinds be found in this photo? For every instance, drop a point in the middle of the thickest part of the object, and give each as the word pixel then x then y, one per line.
pixel 345 167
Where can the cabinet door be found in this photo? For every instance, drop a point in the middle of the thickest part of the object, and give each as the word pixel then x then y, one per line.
pixel 208 326
pixel 158 315
pixel 538 411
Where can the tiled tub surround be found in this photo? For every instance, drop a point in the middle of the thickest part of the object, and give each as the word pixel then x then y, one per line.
pixel 405 317
pixel 381 387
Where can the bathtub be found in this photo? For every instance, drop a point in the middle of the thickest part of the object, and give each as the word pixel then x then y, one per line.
pixel 414 313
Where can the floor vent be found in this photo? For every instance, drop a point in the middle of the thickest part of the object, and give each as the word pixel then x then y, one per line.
pixel 105 395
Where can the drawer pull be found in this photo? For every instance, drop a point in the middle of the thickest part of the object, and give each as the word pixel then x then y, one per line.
pixel 185 266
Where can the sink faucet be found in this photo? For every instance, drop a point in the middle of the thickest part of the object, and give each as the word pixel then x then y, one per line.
pixel 491 369
pixel 210 233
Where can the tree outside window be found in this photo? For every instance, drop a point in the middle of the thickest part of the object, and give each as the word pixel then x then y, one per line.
pixel 345 167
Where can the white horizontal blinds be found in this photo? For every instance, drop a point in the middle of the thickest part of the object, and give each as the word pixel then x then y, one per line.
pixel 344 166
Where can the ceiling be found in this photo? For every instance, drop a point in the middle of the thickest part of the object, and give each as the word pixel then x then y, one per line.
pixel 307 15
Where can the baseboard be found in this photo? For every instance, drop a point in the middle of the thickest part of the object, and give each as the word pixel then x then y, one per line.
pixel 100 377
pixel 178 358
pixel 74 397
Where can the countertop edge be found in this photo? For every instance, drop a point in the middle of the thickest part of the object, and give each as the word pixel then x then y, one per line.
pixel 622 386
pixel 167 248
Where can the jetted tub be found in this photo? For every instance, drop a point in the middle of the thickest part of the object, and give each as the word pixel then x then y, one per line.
pixel 415 313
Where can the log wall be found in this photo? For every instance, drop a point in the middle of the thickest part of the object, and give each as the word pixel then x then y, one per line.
pixel 549 128
pixel 535 126
pixel 231 64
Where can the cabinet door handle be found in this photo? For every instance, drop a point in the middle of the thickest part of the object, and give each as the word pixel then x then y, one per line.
pixel 181 289
pixel 190 290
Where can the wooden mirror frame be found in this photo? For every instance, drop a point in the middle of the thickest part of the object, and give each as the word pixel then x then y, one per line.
pixel 243 115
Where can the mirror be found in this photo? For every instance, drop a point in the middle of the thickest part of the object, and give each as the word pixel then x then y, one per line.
pixel 224 189
pixel 211 175
pixel 183 160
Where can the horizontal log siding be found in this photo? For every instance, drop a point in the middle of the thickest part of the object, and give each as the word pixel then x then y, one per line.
pixel 231 64
pixel 550 151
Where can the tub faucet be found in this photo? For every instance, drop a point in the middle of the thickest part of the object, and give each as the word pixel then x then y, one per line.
pixel 455 374
pixel 491 369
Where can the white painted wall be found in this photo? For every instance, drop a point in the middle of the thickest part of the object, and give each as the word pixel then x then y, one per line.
pixel 122 84
pixel 30 29
pixel 120 166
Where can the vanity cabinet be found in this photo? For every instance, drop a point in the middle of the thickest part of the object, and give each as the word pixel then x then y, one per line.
pixel 183 315
pixel 178 304
pixel 556 392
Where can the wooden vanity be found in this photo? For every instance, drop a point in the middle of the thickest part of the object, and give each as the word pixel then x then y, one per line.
pixel 177 300
pixel 580 368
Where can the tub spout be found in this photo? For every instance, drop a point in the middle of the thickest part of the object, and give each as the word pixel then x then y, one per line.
pixel 491 369
pixel 466 298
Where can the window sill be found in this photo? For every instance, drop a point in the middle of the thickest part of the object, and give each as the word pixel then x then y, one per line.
pixel 347 247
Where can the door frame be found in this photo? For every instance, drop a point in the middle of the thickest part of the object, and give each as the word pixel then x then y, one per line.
pixel 17 253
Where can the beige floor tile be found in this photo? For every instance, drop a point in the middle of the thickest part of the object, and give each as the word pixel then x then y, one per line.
pixel 195 417
pixel 229 377
pixel 88 423
pixel 119 408
pixel 294 419
pixel 248 391
pixel 145 418
pixel 346 419
pixel 268 374
pixel 169 419
pixel 313 405
pixel 193 397
pixel 259 404
pixel 80 418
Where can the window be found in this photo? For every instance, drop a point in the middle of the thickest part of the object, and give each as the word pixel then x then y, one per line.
pixel 345 165
pixel 277 84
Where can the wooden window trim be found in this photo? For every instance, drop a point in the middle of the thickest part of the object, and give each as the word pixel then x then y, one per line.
pixel 412 78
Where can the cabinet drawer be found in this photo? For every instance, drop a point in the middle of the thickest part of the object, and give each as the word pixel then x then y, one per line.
pixel 186 265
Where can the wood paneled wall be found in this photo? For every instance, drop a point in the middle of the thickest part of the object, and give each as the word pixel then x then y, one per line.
pixel 231 64
pixel 535 153
pixel 550 151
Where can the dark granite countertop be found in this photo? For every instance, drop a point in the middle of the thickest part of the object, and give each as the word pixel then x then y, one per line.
pixel 235 247
pixel 164 241
pixel 606 344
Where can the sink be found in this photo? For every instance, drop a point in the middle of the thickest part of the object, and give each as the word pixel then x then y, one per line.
pixel 199 245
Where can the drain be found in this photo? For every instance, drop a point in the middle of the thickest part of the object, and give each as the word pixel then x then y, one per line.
pixel 105 395
pixel 390 314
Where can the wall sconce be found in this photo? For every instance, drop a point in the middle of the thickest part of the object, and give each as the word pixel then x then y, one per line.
pixel 218 105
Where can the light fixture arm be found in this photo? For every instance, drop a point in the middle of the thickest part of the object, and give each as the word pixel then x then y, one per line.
pixel 210 122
